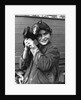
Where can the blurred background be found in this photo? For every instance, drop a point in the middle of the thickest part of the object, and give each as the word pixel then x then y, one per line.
pixel 56 23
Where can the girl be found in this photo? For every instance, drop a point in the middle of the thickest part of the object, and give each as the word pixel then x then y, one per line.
pixel 41 61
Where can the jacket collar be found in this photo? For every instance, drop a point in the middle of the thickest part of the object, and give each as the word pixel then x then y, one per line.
pixel 44 47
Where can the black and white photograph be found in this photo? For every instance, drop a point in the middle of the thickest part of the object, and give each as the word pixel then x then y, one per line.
pixel 40 49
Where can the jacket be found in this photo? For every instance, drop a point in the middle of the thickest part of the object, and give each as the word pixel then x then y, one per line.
pixel 43 69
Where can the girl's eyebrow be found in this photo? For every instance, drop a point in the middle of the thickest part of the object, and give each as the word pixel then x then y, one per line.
pixel 43 33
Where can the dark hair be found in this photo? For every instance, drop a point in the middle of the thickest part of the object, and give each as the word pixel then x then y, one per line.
pixel 41 26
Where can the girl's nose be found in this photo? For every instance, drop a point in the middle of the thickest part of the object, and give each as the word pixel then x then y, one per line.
pixel 43 36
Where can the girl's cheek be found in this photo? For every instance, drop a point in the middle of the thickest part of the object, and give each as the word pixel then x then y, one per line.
pixel 39 38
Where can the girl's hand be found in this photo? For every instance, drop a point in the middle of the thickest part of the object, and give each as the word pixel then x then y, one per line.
pixel 30 43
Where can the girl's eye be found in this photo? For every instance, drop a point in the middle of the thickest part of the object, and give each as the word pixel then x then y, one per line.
pixel 45 33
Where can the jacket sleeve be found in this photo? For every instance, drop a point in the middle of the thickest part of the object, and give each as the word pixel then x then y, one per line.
pixel 24 63
pixel 47 60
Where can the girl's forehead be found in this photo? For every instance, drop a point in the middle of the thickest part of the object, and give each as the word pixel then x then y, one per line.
pixel 42 31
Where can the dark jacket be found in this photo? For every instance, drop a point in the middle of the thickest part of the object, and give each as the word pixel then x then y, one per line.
pixel 43 70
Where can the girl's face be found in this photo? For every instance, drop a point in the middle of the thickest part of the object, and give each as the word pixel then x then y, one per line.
pixel 44 37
